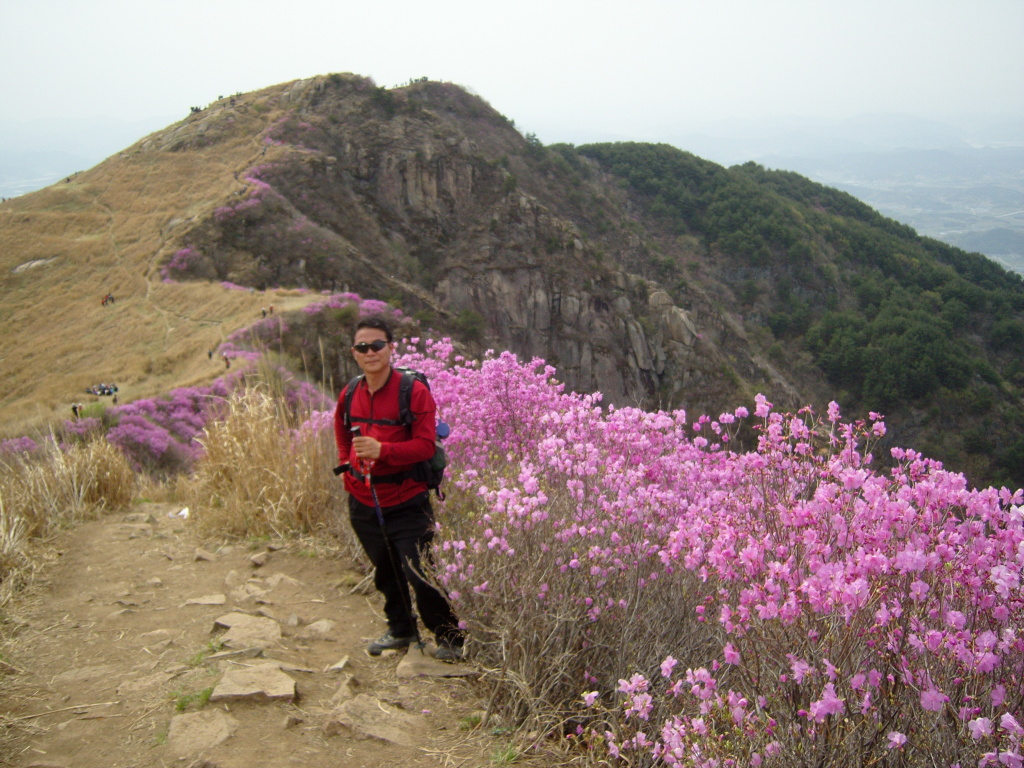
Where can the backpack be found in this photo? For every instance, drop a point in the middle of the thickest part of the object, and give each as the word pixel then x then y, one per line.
pixel 430 471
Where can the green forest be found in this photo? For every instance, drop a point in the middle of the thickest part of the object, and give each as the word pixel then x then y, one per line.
pixel 898 323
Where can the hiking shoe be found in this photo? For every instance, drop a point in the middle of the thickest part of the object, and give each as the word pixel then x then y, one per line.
pixel 389 642
pixel 449 653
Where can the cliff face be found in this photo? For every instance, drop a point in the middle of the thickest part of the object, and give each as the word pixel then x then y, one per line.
pixel 428 197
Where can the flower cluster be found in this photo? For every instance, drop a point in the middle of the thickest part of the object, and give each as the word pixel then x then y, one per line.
pixel 82 428
pixel 159 434
pixel 363 307
pixel 830 599
pixel 181 263
pixel 15 445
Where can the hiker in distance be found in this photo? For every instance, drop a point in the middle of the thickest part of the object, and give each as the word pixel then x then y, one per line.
pixel 388 498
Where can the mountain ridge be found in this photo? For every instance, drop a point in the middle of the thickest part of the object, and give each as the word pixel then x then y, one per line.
pixel 653 287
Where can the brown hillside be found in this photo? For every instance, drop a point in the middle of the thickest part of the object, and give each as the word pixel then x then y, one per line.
pixel 107 230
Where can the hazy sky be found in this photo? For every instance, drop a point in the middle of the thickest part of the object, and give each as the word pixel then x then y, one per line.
pixel 555 67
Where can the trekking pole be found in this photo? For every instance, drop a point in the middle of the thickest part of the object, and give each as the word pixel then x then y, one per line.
pixel 366 467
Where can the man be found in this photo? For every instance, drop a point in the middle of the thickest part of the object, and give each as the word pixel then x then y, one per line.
pixel 391 513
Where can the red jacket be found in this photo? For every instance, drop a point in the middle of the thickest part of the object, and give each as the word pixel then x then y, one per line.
pixel 402 448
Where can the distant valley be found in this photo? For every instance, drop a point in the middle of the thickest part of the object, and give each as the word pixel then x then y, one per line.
pixel 961 182
pixel 970 197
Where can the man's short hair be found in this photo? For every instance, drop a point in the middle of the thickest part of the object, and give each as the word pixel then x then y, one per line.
pixel 377 322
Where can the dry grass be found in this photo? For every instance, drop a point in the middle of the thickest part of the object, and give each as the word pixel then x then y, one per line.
pixel 260 477
pixel 39 493
pixel 109 229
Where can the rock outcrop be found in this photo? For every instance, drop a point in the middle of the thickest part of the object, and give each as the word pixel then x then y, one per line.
pixel 428 196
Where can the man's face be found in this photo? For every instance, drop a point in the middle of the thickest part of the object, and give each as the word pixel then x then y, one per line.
pixel 372 361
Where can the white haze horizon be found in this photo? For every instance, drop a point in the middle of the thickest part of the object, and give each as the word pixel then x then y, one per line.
pixel 556 67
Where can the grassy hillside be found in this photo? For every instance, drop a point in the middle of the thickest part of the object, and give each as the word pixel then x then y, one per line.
pixel 108 230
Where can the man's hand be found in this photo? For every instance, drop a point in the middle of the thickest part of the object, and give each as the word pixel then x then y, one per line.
pixel 366 448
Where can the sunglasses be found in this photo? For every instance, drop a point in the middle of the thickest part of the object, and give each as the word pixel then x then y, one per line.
pixel 365 346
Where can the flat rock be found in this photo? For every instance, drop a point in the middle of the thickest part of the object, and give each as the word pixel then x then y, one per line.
pixel 338 666
pixel 279 579
pixel 319 630
pixel 156 636
pixel 229 620
pixel 251 589
pixel 202 554
pixel 197 732
pixel 245 631
pixel 260 559
pixel 290 666
pixel 415 664
pixel 217 599
pixel 347 689
pixel 367 717
pixel 263 682
pixel 240 653
pixel 234 580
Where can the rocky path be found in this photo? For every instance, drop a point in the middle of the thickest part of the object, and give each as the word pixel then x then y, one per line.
pixel 145 648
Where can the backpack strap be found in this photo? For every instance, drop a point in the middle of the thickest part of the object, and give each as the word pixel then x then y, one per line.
pixel 405 399
pixel 350 390
pixel 405 417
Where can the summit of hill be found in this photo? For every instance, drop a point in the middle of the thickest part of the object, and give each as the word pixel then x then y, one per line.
pixel 642 271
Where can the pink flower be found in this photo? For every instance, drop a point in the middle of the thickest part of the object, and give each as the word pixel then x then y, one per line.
pixel 998 695
pixel 590 697
pixel 667 666
pixel 828 704
pixel 980 728
pixel 799 666
pixel 732 656
pixel 896 739
pixel 1009 723
pixel 918 590
pixel 933 699
pixel 635 683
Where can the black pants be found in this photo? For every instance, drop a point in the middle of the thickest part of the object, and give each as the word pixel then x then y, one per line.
pixel 409 529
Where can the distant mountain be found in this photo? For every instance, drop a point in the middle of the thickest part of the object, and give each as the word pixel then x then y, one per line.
pixel 22 172
pixel 36 153
pixel 642 271
pixel 955 182
pixel 969 196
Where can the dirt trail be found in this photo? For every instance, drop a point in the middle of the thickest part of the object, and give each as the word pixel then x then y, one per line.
pixel 107 662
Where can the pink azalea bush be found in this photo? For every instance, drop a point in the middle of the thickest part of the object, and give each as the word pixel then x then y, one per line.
pixel 671 600
pixel 362 307
pixel 181 262
pixel 18 445
pixel 160 434
pixel 83 428
pixel 163 435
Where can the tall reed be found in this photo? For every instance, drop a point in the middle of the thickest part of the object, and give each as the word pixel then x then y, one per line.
pixel 51 488
pixel 264 471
